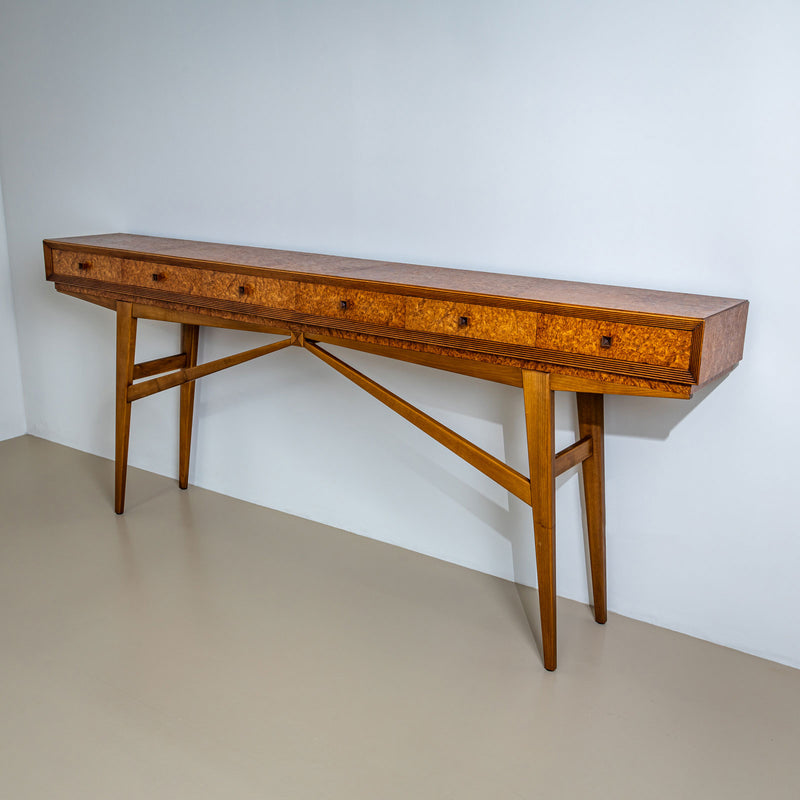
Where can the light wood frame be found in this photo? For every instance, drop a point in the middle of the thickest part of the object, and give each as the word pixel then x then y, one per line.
pixel 137 381
pixel 540 335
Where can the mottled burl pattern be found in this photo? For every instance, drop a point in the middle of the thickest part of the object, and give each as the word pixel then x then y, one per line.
pixel 723 339
pixel 638 343
pixel 560 292
pixel 623 384
pixel 657 340
pixel 96 266
pixel 493 330
pixel 264 291
pixel 350 304
pixel 639 385
pixel 471 321
pixel 208 283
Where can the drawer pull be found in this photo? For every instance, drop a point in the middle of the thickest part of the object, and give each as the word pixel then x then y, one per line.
pixel 463 322
pixel 158 276
pixel 344 305
pixel 84 265
pixel 605 342
pixel 245 291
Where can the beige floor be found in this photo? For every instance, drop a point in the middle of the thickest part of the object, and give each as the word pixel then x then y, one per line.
pixel 202 647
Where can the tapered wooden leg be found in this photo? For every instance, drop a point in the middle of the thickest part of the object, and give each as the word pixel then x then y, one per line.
pixel 189 338
pixel 590 422
pixel 540 422
pixel 126 349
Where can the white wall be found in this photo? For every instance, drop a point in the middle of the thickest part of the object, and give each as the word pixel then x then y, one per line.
pixel 648 144
pixel 12 411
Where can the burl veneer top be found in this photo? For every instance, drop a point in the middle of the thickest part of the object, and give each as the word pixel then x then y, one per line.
pixel 544 290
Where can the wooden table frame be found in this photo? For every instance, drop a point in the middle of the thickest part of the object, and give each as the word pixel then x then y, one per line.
pixel 550 336
pixel 545 463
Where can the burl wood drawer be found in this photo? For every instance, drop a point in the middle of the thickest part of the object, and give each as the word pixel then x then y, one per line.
pixel 637 343
pixel 470 320
pixel 269 292
pixel 217 285
pixel 151 275
pixel 101 268
pixel 343 303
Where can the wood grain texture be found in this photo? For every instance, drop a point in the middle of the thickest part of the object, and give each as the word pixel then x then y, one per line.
pixel 591 426
pixel 566 378
pixel 247 289
pixel 573 455
pixel 104 300
pixel 664 351
pixel 126 352
pixel 598 383
pixel 470 320
pixel 639 343
pixel 48 261
pixel 187 374
pixel 157 366
pixel 350 304
pixel 542 335
pixel 501 473
pixel 95 265
pixel 190 337
pixel 504 369
pixel 723 343
pixel 540 424
pixel 499 373
pixel 175 312
pixel 467 282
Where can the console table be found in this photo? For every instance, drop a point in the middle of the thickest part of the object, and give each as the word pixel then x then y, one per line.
pixel 541 335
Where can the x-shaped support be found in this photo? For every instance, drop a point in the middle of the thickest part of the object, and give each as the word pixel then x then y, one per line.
pixel 538 491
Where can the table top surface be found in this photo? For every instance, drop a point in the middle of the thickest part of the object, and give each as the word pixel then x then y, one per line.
pixel 519 287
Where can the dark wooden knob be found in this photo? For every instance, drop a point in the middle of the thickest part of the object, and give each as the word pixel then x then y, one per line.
pixel 158 276
pixel 84 265
pixel 344 305
pixel 245 291
pixel 463 322
pixel 605 342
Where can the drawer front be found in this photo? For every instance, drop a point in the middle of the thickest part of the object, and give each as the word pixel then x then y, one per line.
pixel 212 284
pixel 343 303
pixel 248 289
pixel 472 321
pixel 80 265
pixel 640 344
pixel 180 280
pixel 219 285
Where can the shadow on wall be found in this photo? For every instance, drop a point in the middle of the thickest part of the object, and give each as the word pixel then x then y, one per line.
pixel 651 417
pixel 456 395
pixel 639 417
pixel 498 411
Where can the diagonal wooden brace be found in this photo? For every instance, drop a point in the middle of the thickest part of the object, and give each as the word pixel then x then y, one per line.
pixel 538 491
pixel 508 478
pixel 159 384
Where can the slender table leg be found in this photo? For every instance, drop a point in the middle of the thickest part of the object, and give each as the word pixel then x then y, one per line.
pixel 189 339
pixel 590 422
pixel 540 422
pixel 126 349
